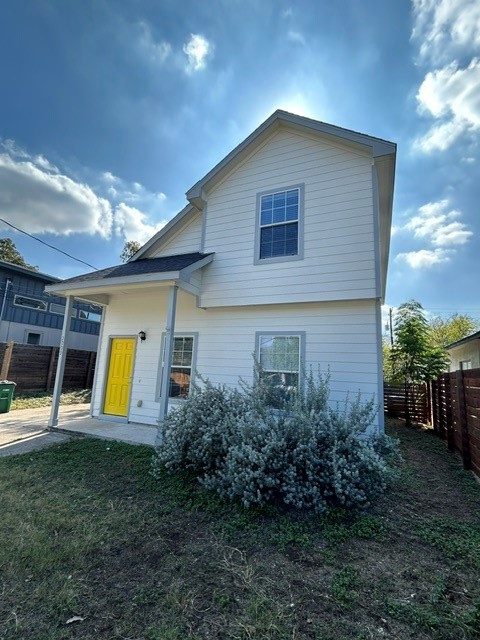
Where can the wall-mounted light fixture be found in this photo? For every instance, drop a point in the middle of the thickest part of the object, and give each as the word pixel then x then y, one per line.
pixel 142 335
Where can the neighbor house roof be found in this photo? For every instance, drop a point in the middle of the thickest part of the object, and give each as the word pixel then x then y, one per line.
pixel 458 343
pixel 28 273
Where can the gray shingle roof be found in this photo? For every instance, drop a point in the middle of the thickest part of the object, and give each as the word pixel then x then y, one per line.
pixel 473 336
pixel 140 267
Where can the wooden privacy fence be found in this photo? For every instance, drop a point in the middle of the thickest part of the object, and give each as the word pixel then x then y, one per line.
pixel 418 402
pixel 456 414
pixel 451 404
pixel 33 367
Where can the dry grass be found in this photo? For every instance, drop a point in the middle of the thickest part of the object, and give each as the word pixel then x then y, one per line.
pixel 39 399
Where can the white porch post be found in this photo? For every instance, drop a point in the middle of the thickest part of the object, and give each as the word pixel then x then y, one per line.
pixel 167 359
pixel 62 356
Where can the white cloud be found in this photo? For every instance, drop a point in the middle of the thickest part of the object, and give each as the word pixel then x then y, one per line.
pixel 446 27
pixel 197 49
pixel 119 190
pixel 109 177
pixel 155 52
pixel 425 258
pixel 37 197
pixel 440 137
pixel 133 224
pixel 448 35
pixel 48 202
pixel 437 222
pixel 296 36
pixel 451 94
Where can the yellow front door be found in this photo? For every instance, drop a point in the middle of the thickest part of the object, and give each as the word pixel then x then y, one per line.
pixel 119 376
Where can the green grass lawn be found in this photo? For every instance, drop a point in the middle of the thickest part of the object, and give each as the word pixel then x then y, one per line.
pixel 91 546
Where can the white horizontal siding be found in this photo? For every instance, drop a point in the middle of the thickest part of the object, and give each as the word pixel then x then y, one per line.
pixel 186 239
pixel 339 240
pixel 469 351
pixel 340 337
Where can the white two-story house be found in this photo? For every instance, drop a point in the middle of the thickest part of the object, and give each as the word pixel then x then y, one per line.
pixel 281 252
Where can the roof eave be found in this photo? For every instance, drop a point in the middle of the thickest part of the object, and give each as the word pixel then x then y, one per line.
pixel 69 288
pixel 37 275
pixel 386 182
pixel 466 340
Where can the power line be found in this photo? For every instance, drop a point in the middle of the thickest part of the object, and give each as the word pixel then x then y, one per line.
pixel 48 245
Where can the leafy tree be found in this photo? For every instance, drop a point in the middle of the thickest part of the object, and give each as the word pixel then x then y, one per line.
pixel 414 357
pixel 130 248
pixel 388 374
pixel 10 253
pixel 444 331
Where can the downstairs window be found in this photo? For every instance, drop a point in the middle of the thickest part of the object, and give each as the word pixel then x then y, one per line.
pixel 279 356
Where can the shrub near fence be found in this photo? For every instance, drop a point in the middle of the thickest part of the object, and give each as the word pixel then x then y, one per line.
pixel 452 405
pixel 33 367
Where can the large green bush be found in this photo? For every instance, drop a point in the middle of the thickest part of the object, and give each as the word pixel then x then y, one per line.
pixel 305 454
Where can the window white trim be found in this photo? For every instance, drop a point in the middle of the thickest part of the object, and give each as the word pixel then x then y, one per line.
pixel 29 332
pixel 190 334
pixel 301 335
pixel 59 309
pixel 258 226
pixel 34 307
pixel 96 317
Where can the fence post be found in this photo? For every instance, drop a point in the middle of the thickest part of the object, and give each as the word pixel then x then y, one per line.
pixel 435 405
pixel 90 370
pixel 441 414
pixel 448 412
pixel 428 403
pixel 7 356
pixel 462 421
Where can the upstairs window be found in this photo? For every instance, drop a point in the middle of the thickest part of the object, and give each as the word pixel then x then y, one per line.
pixel 279 222
pixel 89 315
pixel 30 303
pixel 59 309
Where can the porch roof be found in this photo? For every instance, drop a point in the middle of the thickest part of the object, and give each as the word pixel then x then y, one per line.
pixel 96 286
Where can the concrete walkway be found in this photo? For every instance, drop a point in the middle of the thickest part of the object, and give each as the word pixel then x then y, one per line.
pixel 26 430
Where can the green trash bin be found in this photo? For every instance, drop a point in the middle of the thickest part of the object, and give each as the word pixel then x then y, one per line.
pixel 6 395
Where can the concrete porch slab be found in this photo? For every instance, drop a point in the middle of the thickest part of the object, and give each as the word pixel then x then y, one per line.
pixel 24 424
pixel 130 432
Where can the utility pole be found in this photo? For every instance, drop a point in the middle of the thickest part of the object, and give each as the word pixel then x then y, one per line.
pixel 391 326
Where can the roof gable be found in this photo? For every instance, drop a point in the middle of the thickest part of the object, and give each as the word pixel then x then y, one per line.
pixel 376 146
pixel 196 194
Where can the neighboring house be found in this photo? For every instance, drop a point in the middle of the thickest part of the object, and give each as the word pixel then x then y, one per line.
pixel 28 315
pixel 281 251
pixel 465 353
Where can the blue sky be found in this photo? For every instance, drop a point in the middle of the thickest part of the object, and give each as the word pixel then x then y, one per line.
pixel 112 109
